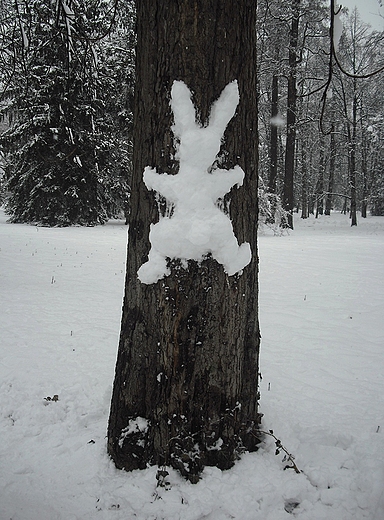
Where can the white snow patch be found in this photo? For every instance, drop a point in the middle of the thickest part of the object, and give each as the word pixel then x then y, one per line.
pixel 216 446
pixel 197 226
pixel 68 11
pixel 138 425
pixel 322 392
pixel 278 120
pixel 77 160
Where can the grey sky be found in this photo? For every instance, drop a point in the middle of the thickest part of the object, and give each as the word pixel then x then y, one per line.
pixel 368 10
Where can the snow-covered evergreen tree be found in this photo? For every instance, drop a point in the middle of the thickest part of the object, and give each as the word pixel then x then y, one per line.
pixel 59 150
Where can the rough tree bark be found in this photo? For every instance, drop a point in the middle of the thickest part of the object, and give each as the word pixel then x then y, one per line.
pixel 188 354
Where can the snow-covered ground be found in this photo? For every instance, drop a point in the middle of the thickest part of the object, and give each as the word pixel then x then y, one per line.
pixel 322 392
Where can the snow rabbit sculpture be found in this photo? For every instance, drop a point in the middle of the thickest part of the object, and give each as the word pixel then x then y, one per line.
pixel 197 226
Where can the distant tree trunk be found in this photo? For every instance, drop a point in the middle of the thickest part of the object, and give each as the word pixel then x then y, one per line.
pixel 364 170
pixel 273 148
pixel 186 383
pixel 273 143
pixel 320 183
pixel 304 179
pixel 331 180
pixel 288 193
pixel 352 163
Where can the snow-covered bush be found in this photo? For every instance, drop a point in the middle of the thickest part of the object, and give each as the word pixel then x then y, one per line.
pixel 377 206
pixel 271 212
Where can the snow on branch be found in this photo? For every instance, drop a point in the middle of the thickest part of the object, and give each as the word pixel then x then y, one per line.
pixel 197 226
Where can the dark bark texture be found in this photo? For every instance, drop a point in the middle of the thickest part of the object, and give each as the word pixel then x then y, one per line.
pixel 189 344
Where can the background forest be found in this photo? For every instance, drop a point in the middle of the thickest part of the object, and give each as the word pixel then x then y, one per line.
pixel 66 141
pixel 67 96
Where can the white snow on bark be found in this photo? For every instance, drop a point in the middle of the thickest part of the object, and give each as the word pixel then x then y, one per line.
pixel 197 226
pixel 24 36
pixel 138 425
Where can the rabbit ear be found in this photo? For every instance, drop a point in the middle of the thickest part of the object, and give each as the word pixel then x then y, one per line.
pixel 224 108
pixel 182 108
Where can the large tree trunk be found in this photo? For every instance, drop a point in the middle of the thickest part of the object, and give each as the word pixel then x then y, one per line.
pixel 186 382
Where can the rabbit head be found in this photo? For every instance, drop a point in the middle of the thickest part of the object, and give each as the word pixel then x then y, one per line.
pixel 198 146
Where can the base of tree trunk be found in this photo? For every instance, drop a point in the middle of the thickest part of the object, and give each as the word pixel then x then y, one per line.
pixel 186 384
pixel 187 451
pixel 288 223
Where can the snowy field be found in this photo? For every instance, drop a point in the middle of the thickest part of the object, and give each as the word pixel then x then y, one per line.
pixel 322 392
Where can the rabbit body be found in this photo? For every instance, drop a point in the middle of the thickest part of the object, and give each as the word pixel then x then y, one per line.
pixel 197 226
